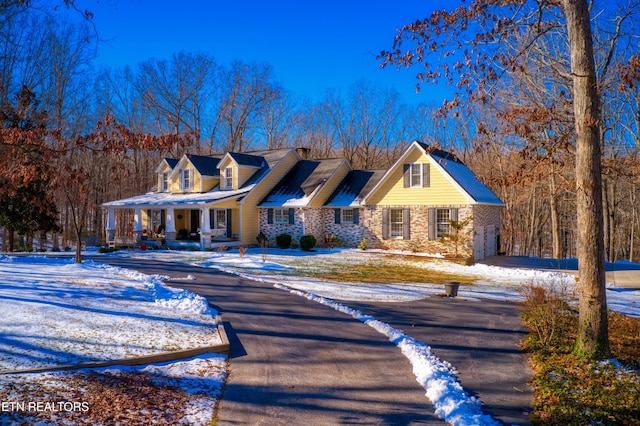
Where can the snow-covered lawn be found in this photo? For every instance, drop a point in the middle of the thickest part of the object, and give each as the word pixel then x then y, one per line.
pixel 55 312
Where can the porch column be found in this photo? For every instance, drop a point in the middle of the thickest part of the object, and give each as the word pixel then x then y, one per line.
pixel 205 228
pixel 137 224
pixel 170 232
pixel 111 225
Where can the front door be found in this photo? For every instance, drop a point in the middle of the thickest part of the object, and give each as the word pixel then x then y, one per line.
pixel 194 225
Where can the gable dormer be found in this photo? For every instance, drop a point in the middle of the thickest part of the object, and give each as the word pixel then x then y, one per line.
pixel 194 173
pixel 237 168
pixel 163 171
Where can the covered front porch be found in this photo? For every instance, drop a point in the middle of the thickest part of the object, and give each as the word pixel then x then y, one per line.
pixel 191 223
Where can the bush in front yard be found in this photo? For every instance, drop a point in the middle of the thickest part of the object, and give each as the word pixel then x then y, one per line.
pixel 283 241
pixel 307 242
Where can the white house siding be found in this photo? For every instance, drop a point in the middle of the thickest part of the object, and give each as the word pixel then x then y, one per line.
pixel 484 216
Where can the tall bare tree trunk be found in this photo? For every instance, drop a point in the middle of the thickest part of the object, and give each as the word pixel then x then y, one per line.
pixel 593 338
pixel 555 217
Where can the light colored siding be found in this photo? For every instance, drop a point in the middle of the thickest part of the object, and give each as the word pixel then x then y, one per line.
pixel 440 192
pixel 195 187
pixel 223 170
pixel 208 183
pixel 242 175
pixel 228 204
pixel 166 169
pixel 250 222
pixel 330 186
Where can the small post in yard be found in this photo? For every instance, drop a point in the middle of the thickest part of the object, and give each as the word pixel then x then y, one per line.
pixel 451 288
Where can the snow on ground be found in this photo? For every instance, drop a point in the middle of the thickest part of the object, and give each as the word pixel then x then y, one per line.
pixel 436 376
pixel 55 312
pixel 493 282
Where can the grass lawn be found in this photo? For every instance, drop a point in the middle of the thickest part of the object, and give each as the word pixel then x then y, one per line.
pixel 571 390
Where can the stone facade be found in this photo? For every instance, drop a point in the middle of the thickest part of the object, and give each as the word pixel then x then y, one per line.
pixel 350 233
pixel 321 223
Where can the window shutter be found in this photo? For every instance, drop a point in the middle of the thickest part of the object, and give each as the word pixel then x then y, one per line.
pixel 426 175
pixel 432 224
pixel 336 216
pixel 407 175
pixel 406 225
pixel 292 218
pixel 356 216
pixel 229 229
pixel 269 216
pixel 212 219
pixel 453 215
pixel 385 224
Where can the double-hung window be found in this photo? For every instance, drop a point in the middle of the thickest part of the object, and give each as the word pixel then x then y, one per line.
pixel 165 181
pixel 280 216
pixel 416 175
pixel 228 178
pixel 443 224
pixel 395 223
pixel 347 216
pixel 186 179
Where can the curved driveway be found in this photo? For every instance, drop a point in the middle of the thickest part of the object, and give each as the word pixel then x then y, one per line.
pixel 297 362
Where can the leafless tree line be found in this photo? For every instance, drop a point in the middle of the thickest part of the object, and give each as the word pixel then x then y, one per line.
pixel 203 106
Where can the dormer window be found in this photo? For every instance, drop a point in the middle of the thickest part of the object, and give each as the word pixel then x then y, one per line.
pixel 228 178
pixel 165 181
pixel 186 179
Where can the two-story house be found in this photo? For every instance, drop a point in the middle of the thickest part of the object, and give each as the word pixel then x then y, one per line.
pixel 228 199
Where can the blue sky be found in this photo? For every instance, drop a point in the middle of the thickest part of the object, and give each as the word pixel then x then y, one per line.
pixel 312 45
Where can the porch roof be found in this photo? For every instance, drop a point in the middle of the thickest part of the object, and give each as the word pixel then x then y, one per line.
pixel 170 199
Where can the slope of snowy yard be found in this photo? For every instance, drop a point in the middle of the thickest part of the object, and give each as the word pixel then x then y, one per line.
pixel 437 377
pixel 55 312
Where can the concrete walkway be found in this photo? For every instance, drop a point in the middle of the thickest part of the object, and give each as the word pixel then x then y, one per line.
pixel 294 361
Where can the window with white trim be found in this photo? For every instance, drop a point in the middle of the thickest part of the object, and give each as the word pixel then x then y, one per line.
pixel 228 178
pixel 221 219
pixel 165 181
pixel 347 216
pixel 395 223
pixel 443 222
pixel 280 216
pixel 416 175
pixel 186 179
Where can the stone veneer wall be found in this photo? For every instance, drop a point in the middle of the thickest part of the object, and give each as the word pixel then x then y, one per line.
pixel 321 222
pixel 351 234
pixel 272 230
pixel 419 236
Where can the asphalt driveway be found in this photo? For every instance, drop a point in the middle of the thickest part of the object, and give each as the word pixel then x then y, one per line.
pixel 294 361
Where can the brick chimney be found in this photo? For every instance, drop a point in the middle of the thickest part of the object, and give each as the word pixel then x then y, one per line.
pixel 303 152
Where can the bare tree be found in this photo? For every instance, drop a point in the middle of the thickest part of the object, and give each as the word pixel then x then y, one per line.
pixel 491 25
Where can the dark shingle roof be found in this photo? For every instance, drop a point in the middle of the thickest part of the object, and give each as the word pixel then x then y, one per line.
pixel 206 166
pixel 171 162
pixel 304 178
pixel 463 176
pixel 354 187
pixel 247 159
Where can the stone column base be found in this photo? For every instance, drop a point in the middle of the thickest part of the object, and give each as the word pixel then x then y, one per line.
pixel 205 240
pixel 169 237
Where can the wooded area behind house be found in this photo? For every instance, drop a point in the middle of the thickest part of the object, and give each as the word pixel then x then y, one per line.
pixel 75 136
